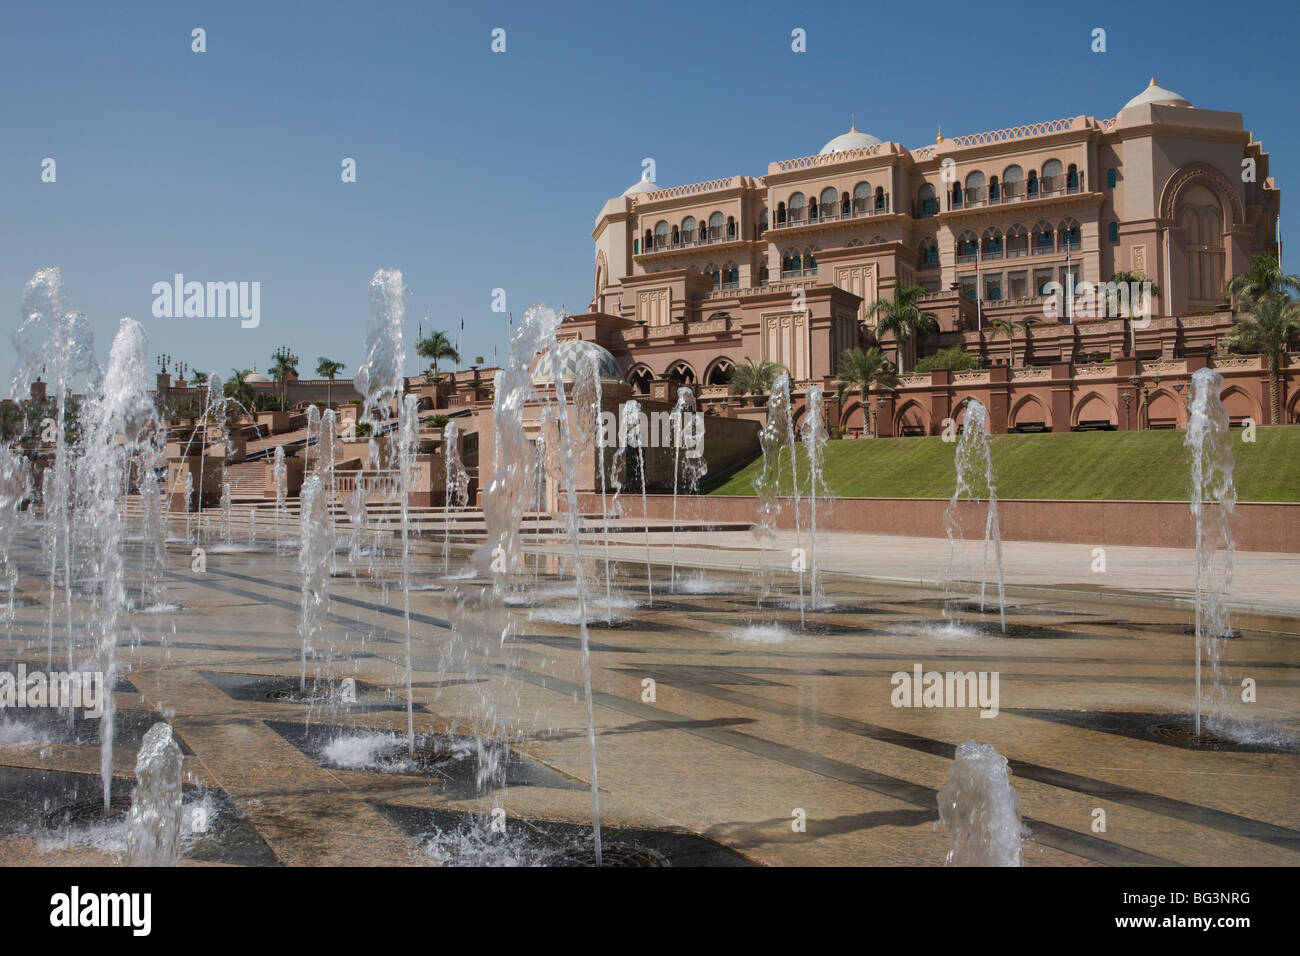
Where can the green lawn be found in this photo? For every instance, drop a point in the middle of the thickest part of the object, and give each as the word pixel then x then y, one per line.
pixel 1149 465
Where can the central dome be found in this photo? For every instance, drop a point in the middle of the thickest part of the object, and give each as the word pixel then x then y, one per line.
pixel 568 355
pixel 643 185
pixel 850 140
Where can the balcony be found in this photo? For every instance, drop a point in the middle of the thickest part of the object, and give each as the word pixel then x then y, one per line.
pixel 836 214
pixel 798 273
pixel 1004 193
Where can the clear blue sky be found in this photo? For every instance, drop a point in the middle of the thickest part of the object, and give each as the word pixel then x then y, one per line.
pixel 479 170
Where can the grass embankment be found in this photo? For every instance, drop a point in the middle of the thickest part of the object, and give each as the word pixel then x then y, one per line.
pixel 1136 465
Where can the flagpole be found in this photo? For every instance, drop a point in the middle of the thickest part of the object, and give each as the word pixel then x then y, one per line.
pixel 1069 278
pixel 979 291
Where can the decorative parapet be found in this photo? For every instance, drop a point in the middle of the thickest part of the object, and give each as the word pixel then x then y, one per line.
pixel 969 378
pixel 1012 133
pixel 692 189
pixel 914 380
pixel 1099 370
pixel 1177 367
pixel 924 152
pixel 827 159
pixel 1108 126
pixel 1031 374
pixel 715 391
pixel 1236 362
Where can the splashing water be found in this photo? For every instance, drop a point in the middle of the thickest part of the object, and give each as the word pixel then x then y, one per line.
pixel 814 443
pixel 280 480
pixel 777 435
pixel 117 423
pixel 548 321
pixel 315 551
pixel 381 381
pixel 456 487
pixel 154 825
pixel 14 488
pixel 981 809
pixel 974 457
pixel 632 429
pixel 1213 497
pixel 592 427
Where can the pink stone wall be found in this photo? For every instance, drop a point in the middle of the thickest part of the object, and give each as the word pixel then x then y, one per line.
pixel 1257 526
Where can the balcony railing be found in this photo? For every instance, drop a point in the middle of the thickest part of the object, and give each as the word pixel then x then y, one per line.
pixel 837 214
pixel 798 273
pixel 706 237
pixel 1044 188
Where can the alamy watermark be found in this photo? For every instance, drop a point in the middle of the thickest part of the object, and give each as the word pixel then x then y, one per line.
pixel 951 689
pixel 654 430
pixel 179 299
pixel 1098 300
pixel 29 689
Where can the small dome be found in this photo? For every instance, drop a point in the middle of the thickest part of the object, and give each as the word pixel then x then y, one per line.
pixel 1156 94
pixel 569 354
pixel 850 140
pixel 643 185
pixel 255 377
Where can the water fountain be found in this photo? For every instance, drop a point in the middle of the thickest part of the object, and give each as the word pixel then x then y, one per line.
pixel 280 481
pixel 154 824
pixel 381 380
pixel 777 436
pixel 974 458
pixel 632 435
pixel 315 552
pixel 59 344
pixel 814 443
pixel 456 487
pixel 589 413
pixel 118 423
pixel 14 488
pixel 981 809
pixel 1213 497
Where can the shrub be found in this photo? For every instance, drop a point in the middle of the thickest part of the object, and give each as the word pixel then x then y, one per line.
pixel 951 359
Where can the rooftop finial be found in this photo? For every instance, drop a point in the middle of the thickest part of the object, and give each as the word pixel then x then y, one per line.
pixel 939 138
pixel 1153 81
pixel 852 127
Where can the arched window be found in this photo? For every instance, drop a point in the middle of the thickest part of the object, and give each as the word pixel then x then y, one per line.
pixel 846 206
pixel 1112 232
pixel 791 264
pixel 715 226
pixel 661 234
pixel 995 190
pixel 636 247
pixel 974 187
pixel 1044 241
pixel 966 247
pixel 731 227
pixel 717 279
pixel 956 195
pixel 797 206
pixel 991 243
pixel 762 273
pixel 1069 235
pixel 881 202
pixel 719 373
pixel 812 210
pixel 730 276
pixel 810 261
pixel 1111 176
pixel 862 198
pixel 927 204
pixel 762 223
pixel 1013 183
pixel 829 202
pixel 1200 214
pixel 688 230
pixel 1031 188
pixel 928 254
pixel 1052 170
pixel 780 214
pixel 640 380
pixel 1072 179
pixel 679 374
pixel 1017 242
pixel 677 237
pixel 648 240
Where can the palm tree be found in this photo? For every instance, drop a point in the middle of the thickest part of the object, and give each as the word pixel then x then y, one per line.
pixel 328 368
pixel 283 364
pixel 861 370
pixel 238 388
pixel 1264 278
pixel 902 316
pixel 1273 321
pixel 200 378
pixel 753 378
pixel 1009 327
pixel 436 346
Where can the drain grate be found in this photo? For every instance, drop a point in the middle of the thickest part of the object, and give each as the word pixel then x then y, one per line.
pixel 615 854
pixel 1185 734
pixel 88 812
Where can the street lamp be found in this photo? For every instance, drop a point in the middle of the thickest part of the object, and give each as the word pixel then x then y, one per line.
pixel 875 418
pixel 1128 397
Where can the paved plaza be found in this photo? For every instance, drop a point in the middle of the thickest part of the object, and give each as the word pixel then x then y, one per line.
pixel 721 723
